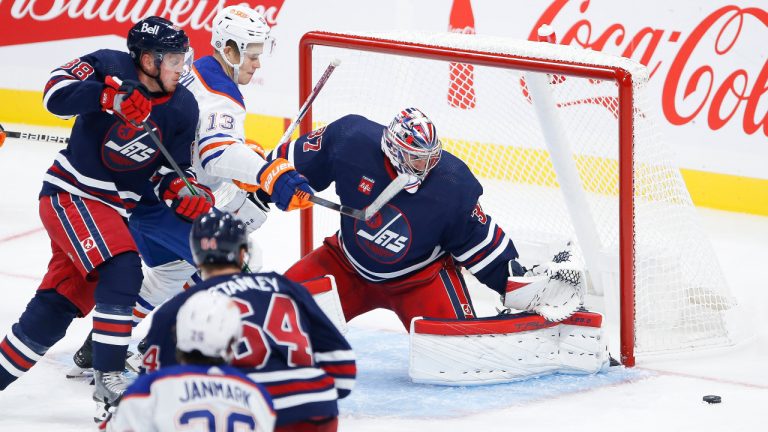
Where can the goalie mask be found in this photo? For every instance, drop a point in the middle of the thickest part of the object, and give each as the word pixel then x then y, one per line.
pixel 208 323
pixel 411 143
pixel 243 26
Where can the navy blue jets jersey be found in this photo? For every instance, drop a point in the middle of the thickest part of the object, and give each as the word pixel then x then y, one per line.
pixel 414 229
pixel 106 160
pixel 288 344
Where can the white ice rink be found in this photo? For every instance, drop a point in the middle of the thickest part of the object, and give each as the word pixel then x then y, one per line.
pixel 659 395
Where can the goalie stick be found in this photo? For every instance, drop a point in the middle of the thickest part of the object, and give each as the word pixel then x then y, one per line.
pixel 384 197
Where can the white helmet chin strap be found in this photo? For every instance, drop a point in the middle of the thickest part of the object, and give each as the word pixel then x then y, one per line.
pixel 235 67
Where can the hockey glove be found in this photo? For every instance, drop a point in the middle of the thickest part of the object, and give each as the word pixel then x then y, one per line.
pixel 554 290
pixel 287 188
pixel 258 149
pixel 186 205
pixel 129 100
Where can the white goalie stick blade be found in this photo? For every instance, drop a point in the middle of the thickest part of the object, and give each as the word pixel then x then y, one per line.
pixel 504 349
pixel 326 296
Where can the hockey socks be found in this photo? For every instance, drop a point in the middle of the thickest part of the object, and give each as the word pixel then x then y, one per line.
pixel 18 354
pixel 112 325
pixel 42 324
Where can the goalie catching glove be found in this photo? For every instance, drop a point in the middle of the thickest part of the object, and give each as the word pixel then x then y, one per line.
pixel 186 205
pixel 554 290
pixel 287 188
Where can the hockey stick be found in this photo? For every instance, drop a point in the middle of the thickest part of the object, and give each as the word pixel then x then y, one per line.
pixel 31 136
pixel 384 197
pixel 311 98
pixel 169 158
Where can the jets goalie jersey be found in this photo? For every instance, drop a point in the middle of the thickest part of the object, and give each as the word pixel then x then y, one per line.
pixel 288 345
pixel 414 229
pixel 106 160
pixel 220 153
pixel 180 397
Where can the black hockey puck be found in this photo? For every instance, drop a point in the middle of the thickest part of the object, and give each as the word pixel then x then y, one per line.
pixel 712 399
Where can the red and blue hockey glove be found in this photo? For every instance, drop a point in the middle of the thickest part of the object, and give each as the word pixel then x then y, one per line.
pixel 186 205
pixel 129 100
pixel 288 189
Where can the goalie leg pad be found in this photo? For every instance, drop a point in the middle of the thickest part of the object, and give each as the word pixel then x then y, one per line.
pixel 504 349
pixel 326 296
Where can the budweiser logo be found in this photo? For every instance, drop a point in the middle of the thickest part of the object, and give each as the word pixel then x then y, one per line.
pixel 28 21
pixel 706 79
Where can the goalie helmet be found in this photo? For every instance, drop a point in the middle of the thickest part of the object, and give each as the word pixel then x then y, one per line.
pixel 241 25
pixel 411 143
pixel 209 323
pixel 217 238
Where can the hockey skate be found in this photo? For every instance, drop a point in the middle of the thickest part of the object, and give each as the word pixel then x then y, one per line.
pixel 83 359
pixel 110 387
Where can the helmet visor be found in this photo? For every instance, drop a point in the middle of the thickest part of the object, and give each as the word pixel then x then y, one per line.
pixel 177 61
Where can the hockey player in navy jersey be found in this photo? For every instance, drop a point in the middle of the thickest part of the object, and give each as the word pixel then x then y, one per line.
pixel 203 388
pixel 407 258
pixel 221 155
pixel 95 183
pixel 288 343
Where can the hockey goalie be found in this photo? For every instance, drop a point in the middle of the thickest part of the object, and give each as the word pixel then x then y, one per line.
pixel 409 257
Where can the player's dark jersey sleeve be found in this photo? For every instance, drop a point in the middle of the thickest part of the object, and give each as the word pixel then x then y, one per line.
pixel 75 87
pixel 481 246
pixel 332 352
pixel 315 154
pixel 186 112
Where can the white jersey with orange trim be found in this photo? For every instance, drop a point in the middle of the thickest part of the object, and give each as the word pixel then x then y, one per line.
pixel 180 397
pixel 220 154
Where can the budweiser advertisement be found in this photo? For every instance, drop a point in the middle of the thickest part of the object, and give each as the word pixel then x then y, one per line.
pixel 708 63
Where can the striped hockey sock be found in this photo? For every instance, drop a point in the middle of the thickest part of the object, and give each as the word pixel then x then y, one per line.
pixel 18 354
pixel 112 325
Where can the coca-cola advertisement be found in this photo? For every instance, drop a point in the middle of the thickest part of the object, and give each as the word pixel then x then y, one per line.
pixel 708 66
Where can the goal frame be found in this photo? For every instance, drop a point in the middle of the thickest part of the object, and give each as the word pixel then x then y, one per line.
pixel 622 77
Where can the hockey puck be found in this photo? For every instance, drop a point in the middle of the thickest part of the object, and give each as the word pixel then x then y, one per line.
pixel 712 399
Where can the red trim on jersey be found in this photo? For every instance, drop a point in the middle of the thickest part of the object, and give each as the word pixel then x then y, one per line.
pixel 340 369
pixel 300 386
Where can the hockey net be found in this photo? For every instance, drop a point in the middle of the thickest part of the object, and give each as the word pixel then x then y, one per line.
pixel 564 143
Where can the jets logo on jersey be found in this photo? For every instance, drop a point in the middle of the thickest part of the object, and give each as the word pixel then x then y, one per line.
pixel 386 237
pixel 127 149
pixel 366 185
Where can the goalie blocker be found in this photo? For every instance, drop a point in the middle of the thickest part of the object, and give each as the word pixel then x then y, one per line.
pixel 505 348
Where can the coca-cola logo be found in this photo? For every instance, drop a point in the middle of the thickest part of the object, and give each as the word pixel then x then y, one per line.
pixel 704 78
pixel 28 21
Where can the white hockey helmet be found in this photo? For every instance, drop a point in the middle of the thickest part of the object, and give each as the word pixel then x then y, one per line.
pixel 209 323
pixel 241 25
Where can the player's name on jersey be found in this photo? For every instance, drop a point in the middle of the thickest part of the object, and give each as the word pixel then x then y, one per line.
pixel 255 282
pixel 196 390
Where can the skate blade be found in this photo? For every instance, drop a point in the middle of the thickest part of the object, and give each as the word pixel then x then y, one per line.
pixel 77 372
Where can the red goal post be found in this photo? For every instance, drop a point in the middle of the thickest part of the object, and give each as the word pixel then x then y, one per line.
pixel 535 65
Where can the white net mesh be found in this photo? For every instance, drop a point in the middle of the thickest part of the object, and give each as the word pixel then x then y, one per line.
pixel 485 115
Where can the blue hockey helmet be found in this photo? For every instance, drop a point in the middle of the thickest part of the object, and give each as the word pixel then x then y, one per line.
pixel 217 238
pixel 157 35
pixel 411 143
